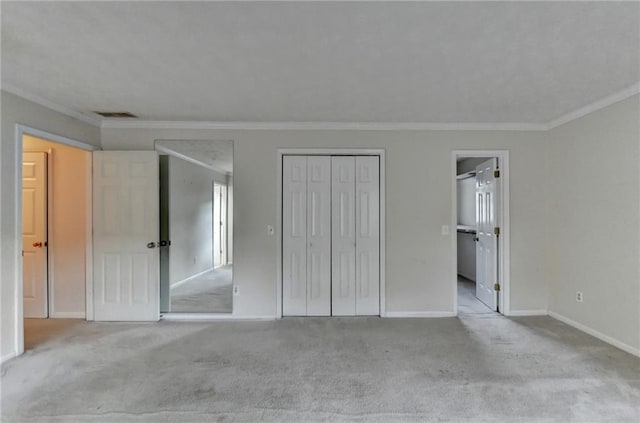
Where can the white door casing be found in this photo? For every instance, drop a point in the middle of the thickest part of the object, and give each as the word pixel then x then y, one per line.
pixel 318 236
pixel 487 219
pixel 294 236
pixel 367 235
pixel 34 234
pixel 125 234
pixel 217 220
pixel 343 236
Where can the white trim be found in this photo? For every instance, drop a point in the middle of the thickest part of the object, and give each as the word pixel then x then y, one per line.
pixel 210 317
pixel 518 313
pixel 89 242
pixel 48 136
pixel 8 357
pixel 192 277
pixel 419 314
pixel 383 245
pixel 335 126
pixel 601 336
pixel 596 105
pixel 91 120
pixel 367 126
pixel 167 150
pixel 20 131
pixel 68 315
pixel 505 226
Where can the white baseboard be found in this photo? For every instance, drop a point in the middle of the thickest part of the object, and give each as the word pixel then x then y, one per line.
pixel 68 315
pixel 601 336
pixel 419 314
pixel 210 317
pixel 8 356
pixel 192 277
pixel 517 313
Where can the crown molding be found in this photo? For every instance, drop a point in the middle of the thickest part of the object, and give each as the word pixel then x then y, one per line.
pixel 337 126
pixel 596 105
pixel 51 105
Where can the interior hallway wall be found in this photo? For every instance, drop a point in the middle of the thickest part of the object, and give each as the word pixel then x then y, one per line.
pixel 418 202
pixel 595 242
pixel 190 218
pixel 67 231
pixel 18 110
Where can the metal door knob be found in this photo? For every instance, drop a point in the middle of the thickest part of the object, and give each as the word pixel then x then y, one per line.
pixel 151 245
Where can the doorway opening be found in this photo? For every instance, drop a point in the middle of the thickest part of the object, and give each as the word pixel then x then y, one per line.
pixel 196 228
pixel 481 239
pixel 55 227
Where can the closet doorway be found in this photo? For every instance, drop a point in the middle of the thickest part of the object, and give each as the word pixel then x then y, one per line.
pixel 332 234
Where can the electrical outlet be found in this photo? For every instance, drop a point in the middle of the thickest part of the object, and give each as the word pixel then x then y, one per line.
pixel 236 290
pixel 579 296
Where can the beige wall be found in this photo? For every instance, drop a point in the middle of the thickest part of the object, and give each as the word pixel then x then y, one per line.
pixel 17 110
pixel 419 259
pixel 67 226
pixel 595 221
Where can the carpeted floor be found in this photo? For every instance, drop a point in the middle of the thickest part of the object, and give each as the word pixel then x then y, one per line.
pixel 209 293
pixel 470 369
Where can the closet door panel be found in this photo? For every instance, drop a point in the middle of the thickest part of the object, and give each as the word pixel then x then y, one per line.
pixel 343 289
pixel 367 185
pixel 319 236
pixel 294 236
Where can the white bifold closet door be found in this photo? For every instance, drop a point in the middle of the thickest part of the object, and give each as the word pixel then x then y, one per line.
pixel 306 219
pixel 331 235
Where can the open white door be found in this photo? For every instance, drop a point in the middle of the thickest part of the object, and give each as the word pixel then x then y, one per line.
pixel 34 234
pixel 487 207
pixel 125 236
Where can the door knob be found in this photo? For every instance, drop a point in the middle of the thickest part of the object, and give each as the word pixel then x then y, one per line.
pixel 37 244
pixel 151 245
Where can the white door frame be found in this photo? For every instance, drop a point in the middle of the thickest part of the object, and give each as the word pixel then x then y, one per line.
pixel 504 271
pixel 20 131
pixel 333 152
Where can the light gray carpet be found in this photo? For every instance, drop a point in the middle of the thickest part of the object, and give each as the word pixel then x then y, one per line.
pixel 209 293
pixel 471 369
pixel 467 301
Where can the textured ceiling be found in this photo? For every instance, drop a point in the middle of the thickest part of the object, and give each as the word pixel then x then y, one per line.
pixel 323 61
pixel 215 154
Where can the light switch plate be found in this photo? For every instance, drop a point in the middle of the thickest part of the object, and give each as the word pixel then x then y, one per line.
pixel 445 229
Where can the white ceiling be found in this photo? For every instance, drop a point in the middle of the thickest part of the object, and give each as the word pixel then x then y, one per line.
pixel 217 155
pixel 438 62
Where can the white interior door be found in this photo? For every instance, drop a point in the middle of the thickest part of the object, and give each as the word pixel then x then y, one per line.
pixel 343 232
pixel 318 236
pixel 367 236
pixel 487 220
pixel 125 235
pixel 294 236
pixel 34 234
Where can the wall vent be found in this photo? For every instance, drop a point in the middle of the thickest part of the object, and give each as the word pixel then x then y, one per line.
pixel 117 115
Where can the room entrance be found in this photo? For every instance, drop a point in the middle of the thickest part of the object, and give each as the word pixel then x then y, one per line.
pixel 480 216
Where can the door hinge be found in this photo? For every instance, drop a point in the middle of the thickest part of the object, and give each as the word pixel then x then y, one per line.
pixel 496 287
pixel 496 230
pixel 496 173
